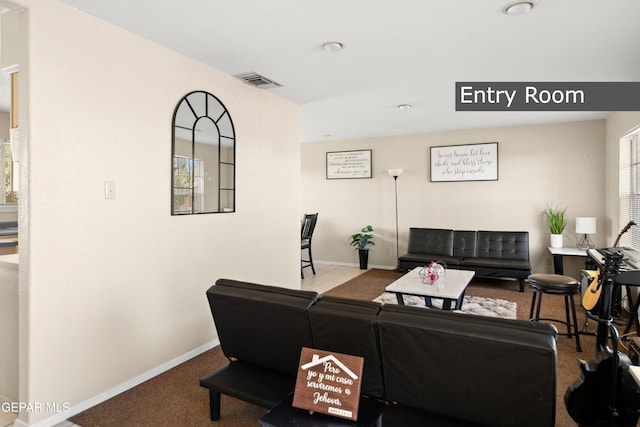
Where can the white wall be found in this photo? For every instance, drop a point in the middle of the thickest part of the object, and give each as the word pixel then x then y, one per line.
pixel 110 289
pixel 559 164
pixel 9 328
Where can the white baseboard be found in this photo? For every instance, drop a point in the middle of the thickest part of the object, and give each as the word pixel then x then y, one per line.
pixel 354 264
pixel 58 420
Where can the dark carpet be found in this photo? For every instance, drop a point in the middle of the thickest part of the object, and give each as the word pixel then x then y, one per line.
pixel 175 397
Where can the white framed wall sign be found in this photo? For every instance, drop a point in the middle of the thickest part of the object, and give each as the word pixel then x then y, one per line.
pixel 349 164
pixel 471 162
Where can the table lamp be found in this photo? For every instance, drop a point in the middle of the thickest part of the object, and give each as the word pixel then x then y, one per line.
pixel 585 226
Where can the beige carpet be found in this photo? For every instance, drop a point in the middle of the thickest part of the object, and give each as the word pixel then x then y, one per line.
pixel 175 397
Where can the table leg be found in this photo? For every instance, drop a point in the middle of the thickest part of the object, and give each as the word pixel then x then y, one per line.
pixel 558 267
pixel 634 313
pixel 459 301
pixel 399 298
pixel 446 304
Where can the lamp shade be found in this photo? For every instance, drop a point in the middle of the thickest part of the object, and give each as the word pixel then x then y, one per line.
pixel 395 172
pixel 585 225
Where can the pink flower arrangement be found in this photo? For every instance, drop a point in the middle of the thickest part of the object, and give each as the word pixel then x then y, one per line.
pixel 432 272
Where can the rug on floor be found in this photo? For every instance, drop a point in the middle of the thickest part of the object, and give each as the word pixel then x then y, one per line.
pixel 481 306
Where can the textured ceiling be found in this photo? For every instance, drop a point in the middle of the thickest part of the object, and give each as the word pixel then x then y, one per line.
pixel 400 52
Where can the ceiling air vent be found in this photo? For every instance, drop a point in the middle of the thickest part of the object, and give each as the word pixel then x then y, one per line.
pixel 257 80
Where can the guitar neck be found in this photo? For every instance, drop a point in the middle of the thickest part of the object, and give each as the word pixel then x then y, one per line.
pixel 624 230
pixel 607 276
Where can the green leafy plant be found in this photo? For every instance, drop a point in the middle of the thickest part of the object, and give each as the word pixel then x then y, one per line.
pixel 557 222
pixel 363 239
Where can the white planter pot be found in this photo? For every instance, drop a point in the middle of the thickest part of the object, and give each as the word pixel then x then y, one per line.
pixel 556 240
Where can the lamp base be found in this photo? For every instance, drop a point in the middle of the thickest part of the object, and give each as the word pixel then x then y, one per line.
pixel 585 242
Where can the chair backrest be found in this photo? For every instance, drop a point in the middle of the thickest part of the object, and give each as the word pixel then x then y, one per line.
pixel 308 225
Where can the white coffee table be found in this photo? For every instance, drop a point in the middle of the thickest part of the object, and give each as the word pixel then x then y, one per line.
pixel 448 290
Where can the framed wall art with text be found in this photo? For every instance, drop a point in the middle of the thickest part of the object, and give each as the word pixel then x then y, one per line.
pixel 471 162
pixel 349 164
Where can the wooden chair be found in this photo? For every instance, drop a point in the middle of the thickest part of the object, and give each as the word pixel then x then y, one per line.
pixel 308 225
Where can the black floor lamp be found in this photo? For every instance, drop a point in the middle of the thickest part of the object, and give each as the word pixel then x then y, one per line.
pixel 395 173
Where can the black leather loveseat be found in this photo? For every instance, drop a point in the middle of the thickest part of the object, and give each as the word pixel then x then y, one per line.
pixel 493 254
pixel 426 366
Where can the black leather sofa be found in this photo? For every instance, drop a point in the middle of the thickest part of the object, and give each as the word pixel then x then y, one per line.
pixel 492 254
pixel 428 367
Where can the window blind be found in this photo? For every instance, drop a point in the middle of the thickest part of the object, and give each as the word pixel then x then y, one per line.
pixel 629 188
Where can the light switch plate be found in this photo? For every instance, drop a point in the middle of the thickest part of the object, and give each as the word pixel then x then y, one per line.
pixel 109 189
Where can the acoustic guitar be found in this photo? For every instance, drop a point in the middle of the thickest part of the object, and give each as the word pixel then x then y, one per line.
pixel 592 294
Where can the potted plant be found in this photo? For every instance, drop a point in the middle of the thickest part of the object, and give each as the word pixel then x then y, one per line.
pixel 557 224
pixel 361 242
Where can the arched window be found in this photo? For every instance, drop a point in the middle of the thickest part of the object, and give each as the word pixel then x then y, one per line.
pixel 203 156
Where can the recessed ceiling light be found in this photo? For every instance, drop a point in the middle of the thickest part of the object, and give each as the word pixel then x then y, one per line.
pixel 332 46
pixel 405 106
pixel 519 8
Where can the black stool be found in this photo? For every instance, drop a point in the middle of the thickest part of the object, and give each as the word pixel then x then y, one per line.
pixel 556 284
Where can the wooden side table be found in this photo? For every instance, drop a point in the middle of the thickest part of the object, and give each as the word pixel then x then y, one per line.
pixel 559 253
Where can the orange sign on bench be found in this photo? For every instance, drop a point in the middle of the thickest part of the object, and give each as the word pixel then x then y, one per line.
pixel 328 383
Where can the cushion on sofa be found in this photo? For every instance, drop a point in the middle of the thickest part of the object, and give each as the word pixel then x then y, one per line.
pixel 465 243
pixel 482 370
pixel 503 245
pixel 512 264
pixel 413 260
pixel 431 241
pixel 247 314
pixel 350 327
